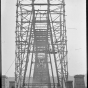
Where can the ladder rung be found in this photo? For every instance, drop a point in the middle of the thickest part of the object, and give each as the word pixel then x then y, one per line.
pixel 40 4
pixel 40 34
pixel 41 21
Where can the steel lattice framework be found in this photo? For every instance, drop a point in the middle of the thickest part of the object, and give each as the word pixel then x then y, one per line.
pixel 41 44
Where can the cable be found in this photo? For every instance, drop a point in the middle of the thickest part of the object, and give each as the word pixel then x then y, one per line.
pixel 9 67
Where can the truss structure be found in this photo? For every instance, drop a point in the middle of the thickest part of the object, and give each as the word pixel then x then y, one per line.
pixel 41 44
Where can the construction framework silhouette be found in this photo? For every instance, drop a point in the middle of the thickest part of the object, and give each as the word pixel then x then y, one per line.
pixel 41 44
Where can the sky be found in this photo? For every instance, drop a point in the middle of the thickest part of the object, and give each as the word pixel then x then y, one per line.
pixel 76 36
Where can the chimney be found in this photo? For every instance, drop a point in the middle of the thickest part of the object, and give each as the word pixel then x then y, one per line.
pixel 79 81
pixel 69 84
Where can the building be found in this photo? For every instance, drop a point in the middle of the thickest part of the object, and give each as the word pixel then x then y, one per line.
pixel 79 81
pixel 69 84
pixel 11 84
pixel 5 83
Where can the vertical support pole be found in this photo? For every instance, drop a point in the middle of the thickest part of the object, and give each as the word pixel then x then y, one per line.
pixel 16 44
pixel 58 84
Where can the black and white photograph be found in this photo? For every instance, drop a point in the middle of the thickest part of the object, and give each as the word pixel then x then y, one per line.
pixel 43 44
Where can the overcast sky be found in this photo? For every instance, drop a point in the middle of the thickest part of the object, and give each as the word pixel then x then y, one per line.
pixel 76 34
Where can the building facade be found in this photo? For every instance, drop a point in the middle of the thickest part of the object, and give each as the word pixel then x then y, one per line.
pixel 5 82
pixel 79 81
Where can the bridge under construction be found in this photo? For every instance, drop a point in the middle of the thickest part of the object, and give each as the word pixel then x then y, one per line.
pixel 41 44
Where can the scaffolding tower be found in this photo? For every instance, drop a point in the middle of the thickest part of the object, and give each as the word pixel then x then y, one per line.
pixel 41 44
